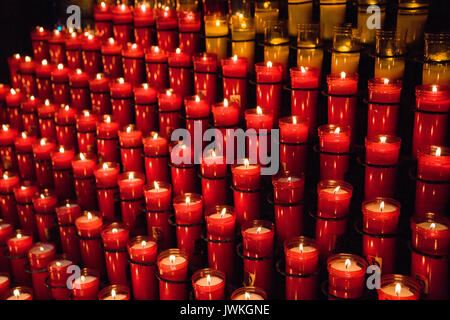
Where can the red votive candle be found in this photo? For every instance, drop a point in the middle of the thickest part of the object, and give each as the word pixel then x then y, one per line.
pixel 56 47
pixel 205 75
pixel 7 152
pixel 209 284
pixel 305 88
pixel 334 147
pixel 100 98
pixel 133 64
pixel 73 50
pixel 156 68
pixel 86 286
pixel 46 116
pixel 169 108
pixel 103 20
pixel 384 97
pixel 43 80
pixel 226 118
pixel 43 162
pixel 269 76
pixel 65 125
pixel 189 25
pixel 260 123
pixel 333 198
pixel 58 275
pixel 44 204
pixel 145 105
pixel 144 24
pixel 180 74
pixel 107 140
pixel 431 234
pixel 114 292
pixel 19 293
pixel 83 166
pixel 248 293
pixel 158 202
pixel 8 182
pixel 431 116
pixel 213 169
pixel 66 216
pixel 106 176
pixel 14 74
pixel 112 58
pixel 24 195
pixel 156 153
pixel 380 169
pixel 62 172
pixel 121 101
pixel 39 42
pixel 346 274
pixel 142 251
pixel 86 125
pixel 122 23
pixel 258 236
pixel 18 245
pixel 79 90
pixel 91 53
pixel 234 72
pixel 173 267
pixel 13 101
pixel 39 256
pixel 197 111
pixel 29 115
pixel 89 227
pixel 131 186
pixel 130 141
pixel 293 144
pixel 398 287
pixel 60 84
pixel 115 238
pixel 380 216
pixel 166 28
pixel 27 69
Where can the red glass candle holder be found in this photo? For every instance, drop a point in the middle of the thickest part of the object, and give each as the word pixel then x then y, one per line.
pixel 234 72
pixel 111 52
pixel 73 50
pixel 106 177
pixel 333 198
pixel 57 278
pixel 91 54
pixel 269 76
pixel 60 84
pixel 133 64
pixel 189 25
pixel 65 125
pixel 44 204
pixel 130 142
pixel 6 232
pixel 122 23
pixel 8 182
pixel 131 187
pixel 29 116
pixel 103 18
pixel 329 232
pixel 100 98
pixel 7 152
pixel 5 282
pixel 114 292
pixel 144 25
pixel 18 245
pixel 24 195
pixel 213 173
pixel 86 286
pixel 43 80
pixel 13 66
pixel 39 256
pixel 14 99
pixel 249 293
pixel 209 284
pixel 19 293
pixel 183 171
pixel 334 148
pixel 27 69
pixel 79 90
pixel 62 173
pixel 180 74
pixel 293 144
pixel 398 287
pixel 115 238
pixel 156 153
pixel 431 234
pixel 205 75
pixel 145 105
pixel 172 274
pixel 380 250
pixel 156 68
pixel 86 124
pixel 121 101
pixel 169 107
pixel 39 42
pixel 380 216
pixel 107 140
pixel 259 124
pixel 167 29
pixel 66 216
pixel 56 47
pixel 46 116
pixel 42 151
pixel 83 166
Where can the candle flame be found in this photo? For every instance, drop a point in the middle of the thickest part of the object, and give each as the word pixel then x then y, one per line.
pixel 61 149
pixel 438 152
pixel 259 110
pixel 143 7
pixel 121 80
pixel 336 189
pixel 27 59
pixel 60 66
pixel 79 71
pixel 343 74
pixel 103 4
pixel 348 263
pixel 73 34
pixel 143 243
pixel 382 206
pixel 44 62
pixel 17 56
pixel 223 212
pixel 169 92
pixel 433 226
pixel 43 141
pixel 197 99
pixel 294 120
pixel 247 296
pixel 172 258
pixel 89 216
pixel 82 156
pixel 134 46
pixel 42 196
pixel 337 130
pixel 24 134
pixel 114 230
pixel 16 293
pixel 155 135
pixel 99 76
pixel 41 248
pixel 259 229
pixel 235 57
pixel 156 49
pixel 156 185
pixel 67 107
pixel 107 119
pixel 434 88
pixel 386 81
pixel 213 154
pixel 300 248
pixel 178 51
pixel 12 91
pixel 41 29
pixel 246 163
pixel 58 264
pixel 217 23
pixel 145 86
pixel 105 166
pixel 111 41
pixel 208 279
pixel 5 127
pixel 398 289
pixel 225 102
pixel 303 69
pixel 131 176
pixel 19 236
pixel 188 200
pixel 5 176
pixel 47 102
pixel 83 278
pixel 122 6
pixel 383 139
pixel 129 129
pixel 269 64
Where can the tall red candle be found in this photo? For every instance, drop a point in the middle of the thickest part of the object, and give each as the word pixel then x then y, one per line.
pixel 189 24
pixel 205 75
pixel 166 29
pixel 24 195
pixel 73 50
pixel 197 111
pixel 103 18
pixel 183 171
pixel 43 80
pixel 18 246
pixel 46 116
pixel 122 23
pixel 145 105
pixel 58 275
pixel 8 182
pixel 334 147
pixel 66 216
pixel 83 166
pixel 112 58
pixel 173 267
pixel 130 141
pixel 107 140
pixel 169 107
pixel 106 176
pixel 79 90
pixel 133 64
pixel 234 72
pixel 131 186
pixel 44 204
pixel 156 153
pixel 29 115
pixel 100 98
pixel 86 124
pixel 39 256
pixel 156 68
pixel 62 172
pixel 269 77
pixel 43 163
pixel 39 42
pixel 27 69
pixel 226 119
pixel 60 84
pixel 66 127
pixel 213 170
pixel 91 53
pixel 180 74
pixel 56 47
pixel 20 293
pixel 121 101
pixel 144 25
pixel 13 101
pixel 209 284
pixel 261 123
pixel 6 232
pixel 7 152
pixel 115 238
pixel 293 144
pixel 14 74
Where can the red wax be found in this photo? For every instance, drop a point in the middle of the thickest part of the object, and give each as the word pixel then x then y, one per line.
pixel 183 172
pixel 24 194
pixel 180 74
pixel 380 216
pixel 7 152
pixel 145 104
pixel 19 293
pixel 197 111
pixel 158 201
pixel 408 288
pixel 166 29
pixel 114 292
pixel 169 107
pixel 431 234
pixel 256 119
pixel 382 150
pixel 383 111
pixel 115 238
pixel 13 101
pixel 234 71
pixel 39 256
pixel 42 158
pixel 293 147
pixel 89 227
pixel 334 144
pixel 112 58
pixel 156 68
pixel 121 101
pixel 122 23
pixel 429 128
pixel 130 141
pixel 8 182
pixel 39 41
pixel 44 205
pixel 66 216
pixel 83 166
pixel 333 198
pixel 225 114
pixel 189 25
pixel 60 84
pixel 133 64
pixel 214 183
pixel 14 74
pixel 305 84
pixel 29 115
pixel 106 177
pixel 43 80
pixel 142 251
pixel 86 286
pixel 56 47
pixel 380 251
pixel 73 50
pixel 156 153
pixel 209 284
pixel 342 105
pixel 27 69
pixel 91 53
pixel 79 90
pixel 173 266
pixel 103 20
pixel 328 233
pixel 86 124
pixel 205 75
pixel 246 176
pixel 131 186
pixel 18 245
pixel 346 273
pixel 144 23
pixel 46 114
pixel 107 136
pixel 268 89
pixel 6 232
pixel 58 275
pixel 65 127
pixel 62 172
pixel 100 98
pixel 302 256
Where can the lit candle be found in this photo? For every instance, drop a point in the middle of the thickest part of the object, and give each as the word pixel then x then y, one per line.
pixel 346 274
pixel 131 187
pixel 156 68
pixel 115 238
pixel 91 53
pixel 209 284
pixel 130 141
pixel 122 23
pixel 398 287
pixel 156 153
pixel 243 39
pixel 133 64
pixel 380 216
pixel 172 265
pixel 166 28
pixel 144 24
pixel 111 51
pixel 216 36
pixel 334 142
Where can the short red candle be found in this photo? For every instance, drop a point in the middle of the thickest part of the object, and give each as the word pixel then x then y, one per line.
pixel 258 120
pixel 66 135
pixel 24 195
pixel 145 104
pixel 42 151
pixel 346 275
pixel 58 275
pixel 246 176
pixel 44 204
pixel 13 101
pixel 209 284
pixel 333 198
pixel 8 182
pixel 180 74
pixel 234 71
pixel 115 238
pixel 112 58
pixel 114 292
pixel 304 94
pixel 156 68
pixel 27 69
pixel 79 90
pixel 39 256
pixel 189 24
pixel 248 293
pixel 106 176
pixel 39 42
pixel 91 53
pixel 73 50
pixel 398 287
pixel 172 266
pixel 24 152
pixel 269 77
pixel 60 84
pixel 56 47
pixel 43 80
pixel 431 234
pixel 130 141
pixel 66 216
pixel 18 246
pixel 122 23
pixel 100 98
pixel 107 140
pixel 380 216
pixel 142 251
pixel 121 101
pixel 169 107
pixel 62 172
pixel 131 186
pixel 29 115
pixel 144 25
pixel 384 95
pixel 7 152
pixel 83 166
pixel 334 145
pixel 156 153
pixel 133 64
pixel 86 286
pixel 166 29
pixel 293 144
pixel 86 125
pixel 103 20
